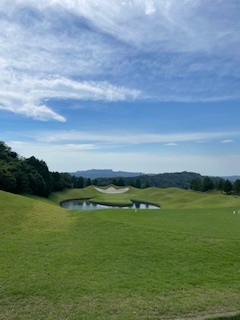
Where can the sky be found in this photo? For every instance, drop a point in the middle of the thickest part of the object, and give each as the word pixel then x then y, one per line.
pixel 148 86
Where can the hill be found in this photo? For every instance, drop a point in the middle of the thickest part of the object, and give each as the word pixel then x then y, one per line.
pixel 163 180
pixel 231 178
pixel 166 198
pixel 104 173
pixel 176 262
pixel 31 175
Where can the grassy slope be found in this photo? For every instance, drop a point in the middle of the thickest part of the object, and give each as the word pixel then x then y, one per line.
pixel 165 197
pixel 119 264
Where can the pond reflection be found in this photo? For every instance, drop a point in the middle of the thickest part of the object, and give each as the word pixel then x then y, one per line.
pixel 84 204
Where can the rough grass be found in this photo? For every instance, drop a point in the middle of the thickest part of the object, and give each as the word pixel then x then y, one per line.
pixel 119 264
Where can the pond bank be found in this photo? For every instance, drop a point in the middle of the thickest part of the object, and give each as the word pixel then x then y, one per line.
pixel 91 204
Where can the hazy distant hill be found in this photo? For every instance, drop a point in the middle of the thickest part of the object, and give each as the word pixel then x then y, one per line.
pixel 231 178
pixel 162 180
pixel 104 173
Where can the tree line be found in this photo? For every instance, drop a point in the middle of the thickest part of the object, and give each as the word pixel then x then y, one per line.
pixel 181 180
pixel 32 176
pixel 184 180
pixel 207 184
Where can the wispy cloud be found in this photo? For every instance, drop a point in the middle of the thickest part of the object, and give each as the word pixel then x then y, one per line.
pixel 171 144
pixel 46 53
pixel 129 138
pixel 72 159
pixel 179 25
pixel 28 95
pixel 166 50
pixel 227 141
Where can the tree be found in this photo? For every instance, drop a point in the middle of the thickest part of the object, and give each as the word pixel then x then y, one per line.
pixel 67 180
pixel 80 182
pixel 114 181
pixel 219 185
pixel 95 182
pixel 120 182
pixel 207 184
pixel 57 181
pixel 147 185
pixel 196 184
pixel 7 179
pixel 37 184
pixel 20 170
pixel 6 152
pixel 88 182
pixel 227 186
pixel 236 187
pixel 41 167
pixel 131 182
pixel 138 184
pixel 19 175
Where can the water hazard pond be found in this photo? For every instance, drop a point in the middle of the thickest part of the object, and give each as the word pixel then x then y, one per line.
pixel 85 204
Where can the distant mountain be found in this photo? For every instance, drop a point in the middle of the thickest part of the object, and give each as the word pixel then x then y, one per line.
pixel 104 173
pixel 163 180
pixel 231 178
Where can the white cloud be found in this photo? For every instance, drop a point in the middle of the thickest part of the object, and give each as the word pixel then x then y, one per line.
pixel 79 147
pixel 171 144
pixel 70 159
pixel 51 152
pixel 227 141
pixel 25 95
pixel 116 50
pixel 183 25
pixel 40 56
pixel 150 8
pixel 127 138
pixel 108 50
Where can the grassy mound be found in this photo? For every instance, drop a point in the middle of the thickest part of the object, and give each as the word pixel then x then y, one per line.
pixel 178 262
pixel 165 197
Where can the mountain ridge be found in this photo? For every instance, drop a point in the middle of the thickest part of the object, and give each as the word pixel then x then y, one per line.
pixel 231 178
pixel 109 173
pixel 105 173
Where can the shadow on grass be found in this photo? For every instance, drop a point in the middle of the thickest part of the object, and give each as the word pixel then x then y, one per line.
pixel 236 317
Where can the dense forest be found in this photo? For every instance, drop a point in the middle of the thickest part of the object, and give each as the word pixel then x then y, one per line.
pixel 28 175
pixel 32 176
pixel 183 180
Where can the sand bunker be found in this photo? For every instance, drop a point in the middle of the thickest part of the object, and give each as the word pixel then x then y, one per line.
pixel 112 190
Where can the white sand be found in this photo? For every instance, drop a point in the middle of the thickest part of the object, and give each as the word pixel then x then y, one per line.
pixel 112 190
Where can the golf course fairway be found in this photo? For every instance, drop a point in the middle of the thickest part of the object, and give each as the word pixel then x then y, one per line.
pixel 181 261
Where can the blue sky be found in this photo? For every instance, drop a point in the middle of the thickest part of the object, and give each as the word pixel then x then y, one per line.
pixel 134 85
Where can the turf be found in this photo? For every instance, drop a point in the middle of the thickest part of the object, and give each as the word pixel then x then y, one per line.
pixel 164 197
pixel 177 262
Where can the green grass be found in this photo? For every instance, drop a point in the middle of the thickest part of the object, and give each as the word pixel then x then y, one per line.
pixel 234 317
pixel 177 262
pixel 165 197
